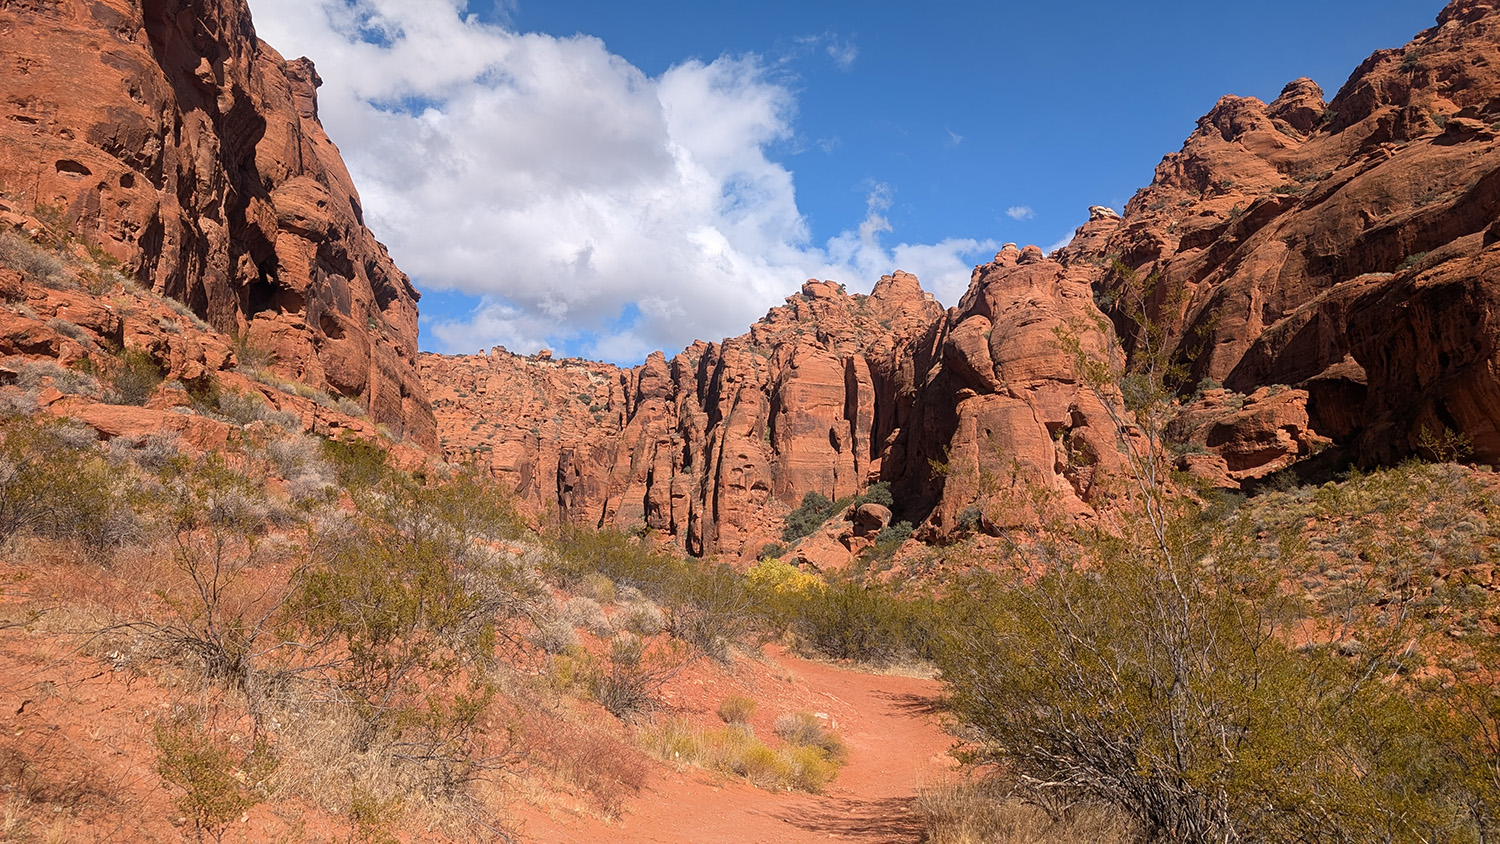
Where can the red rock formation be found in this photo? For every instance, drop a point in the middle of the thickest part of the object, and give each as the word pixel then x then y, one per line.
pixel 714 446
pixel 825 394
pixel 1345 249
pixel 165 134
pixel 1004 409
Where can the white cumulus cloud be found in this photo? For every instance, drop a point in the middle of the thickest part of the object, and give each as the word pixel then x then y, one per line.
pixel 1020 212
pixel 593 208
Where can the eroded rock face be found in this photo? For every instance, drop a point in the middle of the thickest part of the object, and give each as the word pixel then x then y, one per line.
pixel 713 446
pixel 166 135
pixel 1345 249
pixel 1332 264
pixel 826 394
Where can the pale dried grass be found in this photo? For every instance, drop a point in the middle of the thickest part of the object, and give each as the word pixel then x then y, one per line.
pixel 987 812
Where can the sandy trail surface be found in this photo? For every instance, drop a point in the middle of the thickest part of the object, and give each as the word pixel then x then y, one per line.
pixel 896 745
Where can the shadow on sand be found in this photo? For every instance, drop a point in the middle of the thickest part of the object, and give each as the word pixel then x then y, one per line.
pixel 849 819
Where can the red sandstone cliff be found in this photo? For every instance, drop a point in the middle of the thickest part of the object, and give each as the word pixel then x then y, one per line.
pixel 713 446
pixel 1333 264
pixel 825 394
pixel 165 134
pixel 1345 249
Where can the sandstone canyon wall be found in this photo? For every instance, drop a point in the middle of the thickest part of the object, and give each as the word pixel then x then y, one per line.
pixel 1332 264
pixel 1346 250
pixel 165 134
pixel 1327 270
pixel 826 394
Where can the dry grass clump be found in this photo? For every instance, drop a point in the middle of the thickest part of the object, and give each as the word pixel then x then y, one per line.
pixel 606 769
pixel 987 813
pixel 737 709
pixel 587 614
pixel 38 264
pixel 735 750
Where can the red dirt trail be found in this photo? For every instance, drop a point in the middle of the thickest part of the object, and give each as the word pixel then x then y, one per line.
pixel 896 745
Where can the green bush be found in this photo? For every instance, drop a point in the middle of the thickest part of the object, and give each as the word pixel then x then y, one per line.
pixel 705 605
pixel 56 484
pixel 850 619
pixel 416 593
pixel 890 538
pixel 358 463
pixel 878 493
pixel 814 510
pixel 216 786
pixel 137 376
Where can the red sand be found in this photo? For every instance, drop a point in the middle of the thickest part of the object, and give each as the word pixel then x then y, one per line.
pixel 896 745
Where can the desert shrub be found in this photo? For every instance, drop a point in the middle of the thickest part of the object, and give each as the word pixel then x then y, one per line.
pixel 890 538
pixel 865 622
pixel 251 356
pixel 290 455
pixel 708 607
pixel 587 614
pixel 987 812
pixel 605 768
pixel 17 404
pixel 1410 261
pixel 814 510
pixel 73 331
pixel 135 378
pixel 628 685
pixel 877 493
pixel 735 750
pixel 737 709
pixel 358 464
pixel 771 551
pixel 214 516
pixel 597 587
pixel 54 482
pixel 555 636
pixel 1121 682
pixel 705 605
pixel 299 460
pixel 415 594
pixel 642 617
pixel 35 262
pixel 804 729
pixel 32 375
pixel 217 786
pixel 152 452
pixel 242 408
pixel 371 817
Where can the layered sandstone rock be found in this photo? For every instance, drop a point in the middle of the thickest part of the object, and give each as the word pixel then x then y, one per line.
pixel 713 446
pixel 826 394
pixel 1332 264
pixel 165 134
pixel 1346 249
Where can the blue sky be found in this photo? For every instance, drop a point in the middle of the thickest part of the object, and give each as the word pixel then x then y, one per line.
pixel 606 179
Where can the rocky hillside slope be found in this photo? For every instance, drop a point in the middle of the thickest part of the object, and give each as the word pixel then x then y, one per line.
pixel 1332 264
pixel 164 134
pixel 1345 248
